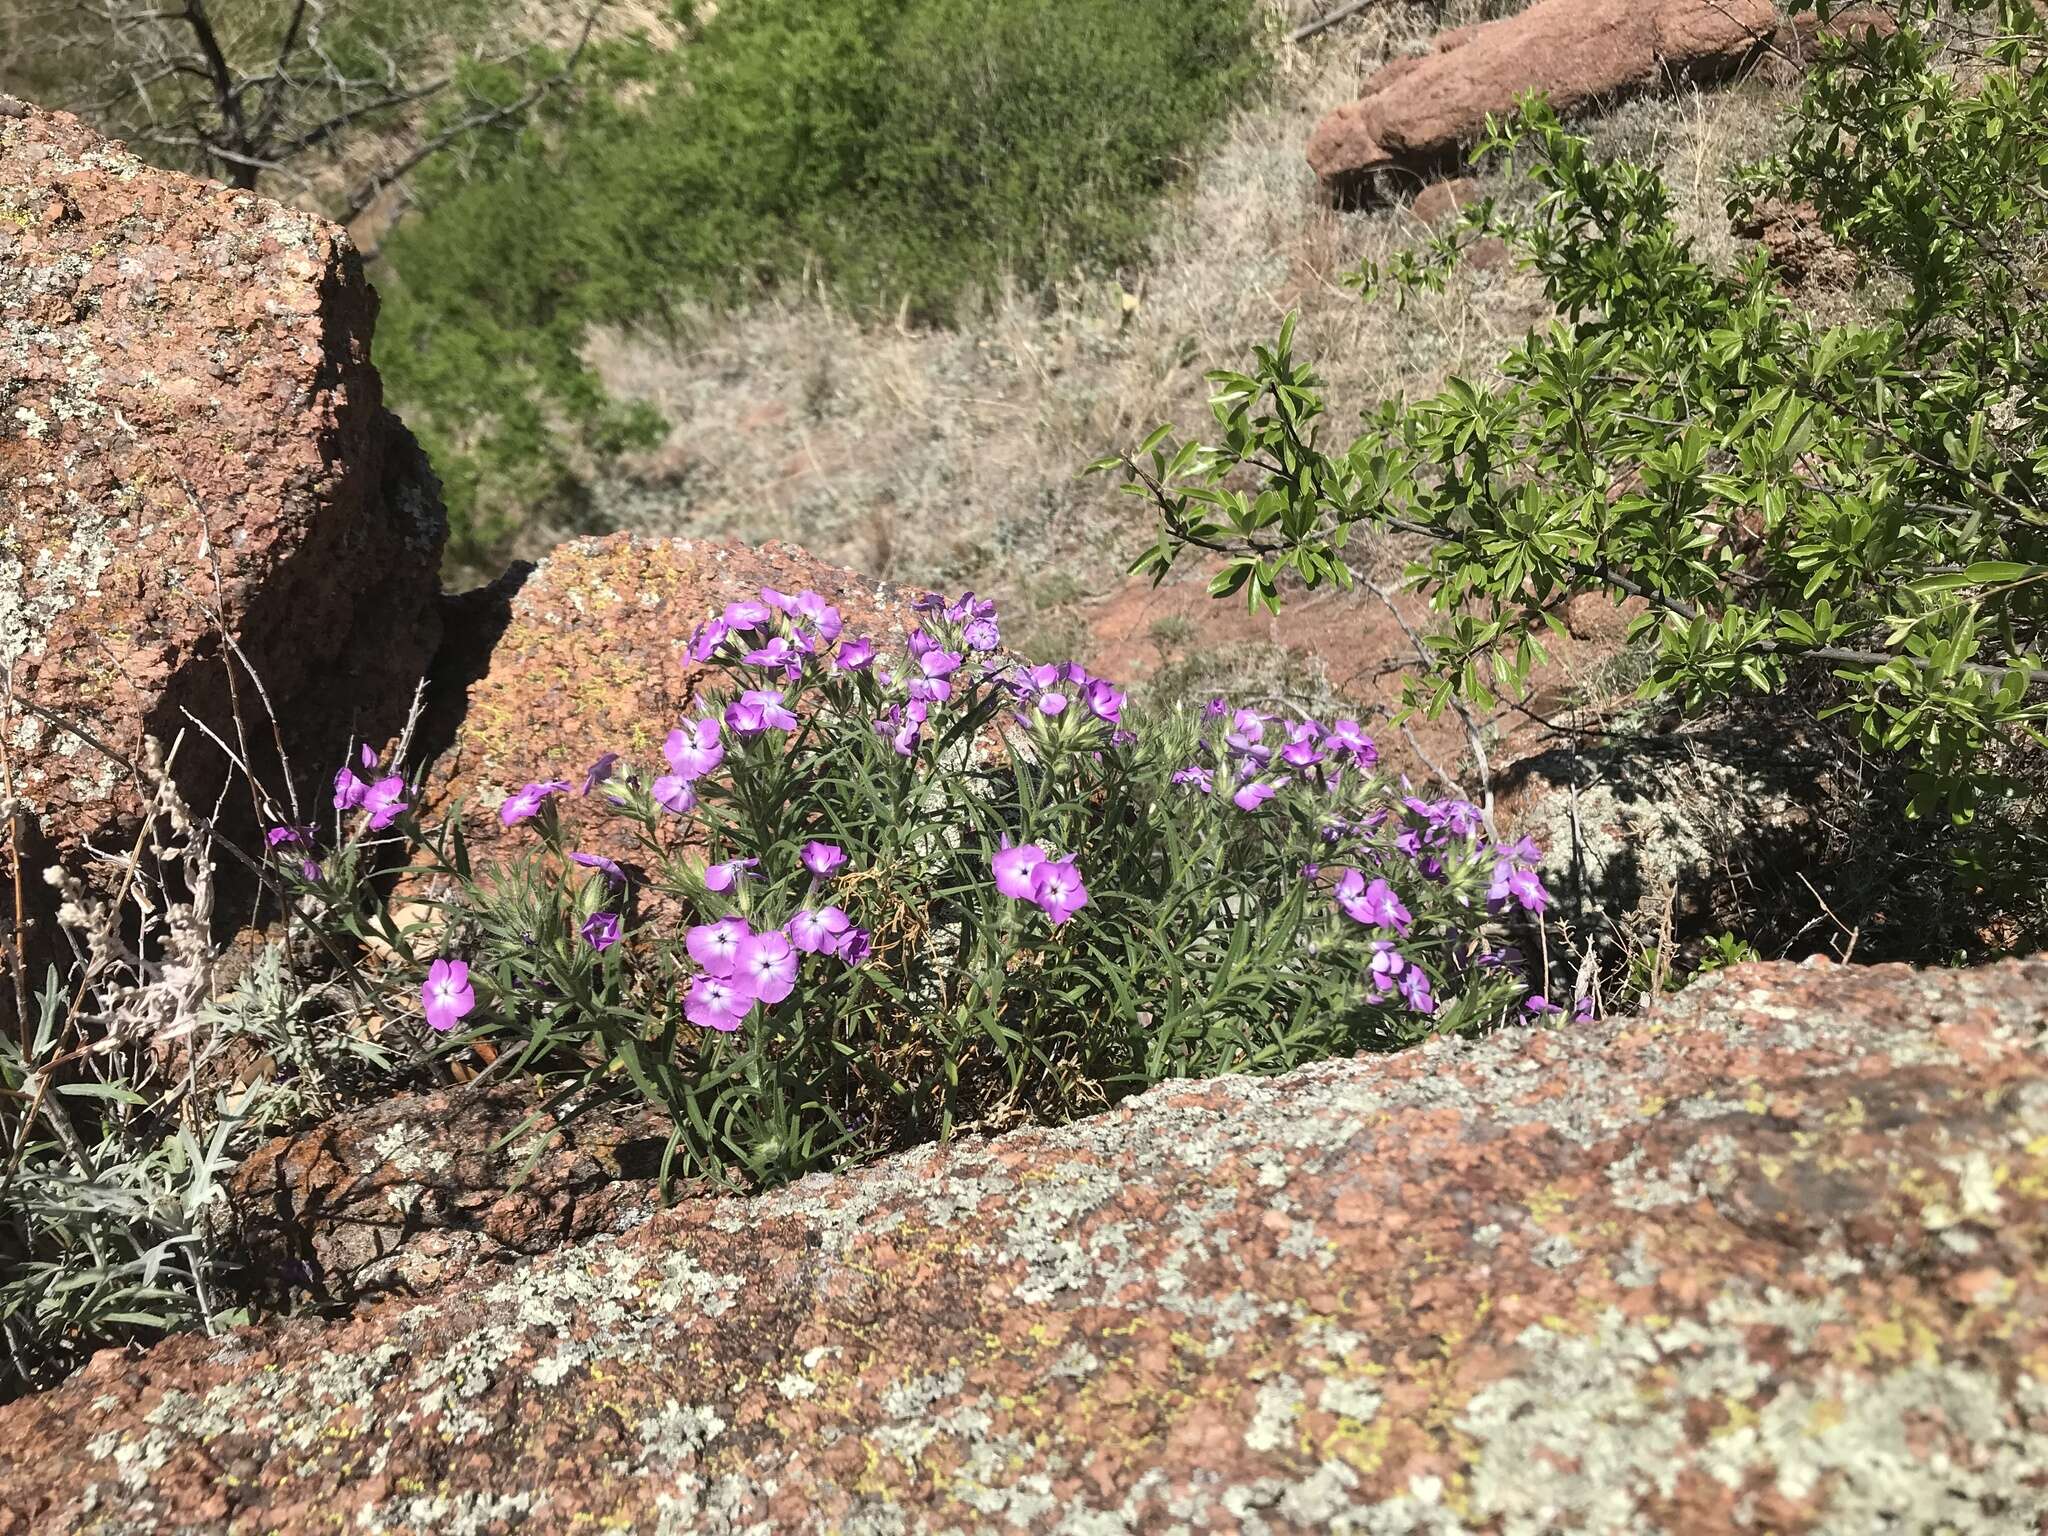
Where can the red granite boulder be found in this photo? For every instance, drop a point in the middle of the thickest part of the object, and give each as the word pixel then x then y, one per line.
pixel 205 504
pixel 1417 116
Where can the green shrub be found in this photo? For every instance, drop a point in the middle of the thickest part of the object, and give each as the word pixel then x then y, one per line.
pixel 906 152
pixel 1852 513
pixel 976 891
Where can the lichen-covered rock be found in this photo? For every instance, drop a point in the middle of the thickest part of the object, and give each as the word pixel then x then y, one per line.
pixel 403 1195
pixel 1691 829
pixel 1417 115
pixel 1766 1260
pixel 586 653
pixel 197 478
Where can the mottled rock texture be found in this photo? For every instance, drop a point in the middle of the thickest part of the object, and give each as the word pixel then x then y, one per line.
pixel 1767 1260
pixel 1416 116
pixel 587 653
pixel 1696 827
pixel 197 478
pixel 402 1195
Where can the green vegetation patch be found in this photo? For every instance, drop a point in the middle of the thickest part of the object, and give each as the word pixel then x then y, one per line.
pixel 905 152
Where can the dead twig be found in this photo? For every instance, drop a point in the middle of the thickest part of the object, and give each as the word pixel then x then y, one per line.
pixel 1327 20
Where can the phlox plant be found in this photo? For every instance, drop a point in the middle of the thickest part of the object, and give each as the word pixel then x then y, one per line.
pixel 869 895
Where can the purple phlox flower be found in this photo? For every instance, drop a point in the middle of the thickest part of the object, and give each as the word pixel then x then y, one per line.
pixel 1013 868
pixel 348 790
pixel 928 602
pixel 608 867
pixel 854 946
pixel 1248 748
pixel 781 602
pixel 1201 778
pixel 855 654
pixel 968 606
pixel 673 793
pixel 821 615
pixel 300 838
pixel 446 994
pixel 718 1002
pixel 929 690
pixel 1104 699
pixel 1123 738
pixel 767 963
pixel 1375 905
pixel 1512 881
pixel 1463 819
pixel 823 859
pixel 903 725
pixel 1250 797
pixel 721 877
pixel 599 771
pixel 1582 1010
pixel 600 930
pixel 384 802
pixel 745 614
pixel 1304 744
pixel 1216 708
pixel 1057 889
pixel 706 638
pixel 1386 964
pixel 1429 811
pixel 716 946
pixel 1414 987
pixel 524 804
pixel 936 663
pixel 1052 702
pixel 1409 841
pixel 758 710
pixel 1507 957
pixel 693 749
pixel 981 635
pixel 1541 1007
pixel 777 653
pixel 1310 871
pixel 1346 736
pixel 818 930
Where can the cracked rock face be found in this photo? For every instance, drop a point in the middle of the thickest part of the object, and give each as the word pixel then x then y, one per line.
pixel 1765 1260
pixel 195 466
pixel 402 1194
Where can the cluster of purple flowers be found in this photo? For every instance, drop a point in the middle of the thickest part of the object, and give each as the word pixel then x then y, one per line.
pixel 1257 756
pixel 807 626
pixel 693 749
pixel 1067 703
pixel 739 967
pixel 1029 873
pixel 974 617
pixel 381 798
